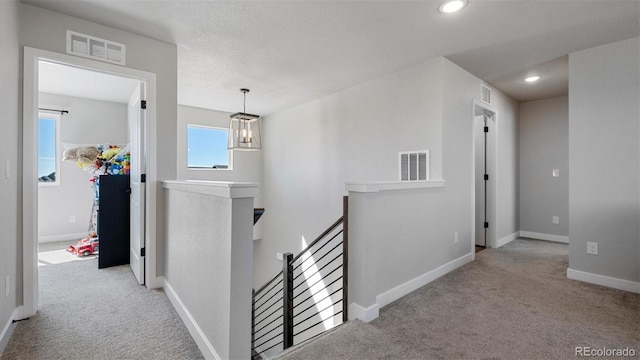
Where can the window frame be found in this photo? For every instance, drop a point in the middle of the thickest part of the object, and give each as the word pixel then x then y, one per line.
pixel 229 152
pixel 58 155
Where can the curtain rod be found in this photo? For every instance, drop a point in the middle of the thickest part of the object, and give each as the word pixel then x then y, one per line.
pixel 62 112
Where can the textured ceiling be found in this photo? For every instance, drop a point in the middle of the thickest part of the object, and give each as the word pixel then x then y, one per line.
pixel 290 52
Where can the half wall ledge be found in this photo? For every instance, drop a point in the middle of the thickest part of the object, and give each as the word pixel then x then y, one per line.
pixel 225 189
pixel 377 186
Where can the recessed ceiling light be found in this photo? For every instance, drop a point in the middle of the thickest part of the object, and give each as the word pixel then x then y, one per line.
pixel 533 78
pixel 451 6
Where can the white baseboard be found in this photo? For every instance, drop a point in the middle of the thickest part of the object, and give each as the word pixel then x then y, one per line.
pixel 7 330
pixel 363 314
pixel 548 237
pixel 401 290
pixel 602 280
pixel 62 237
pixel 196 333
pixel 507 239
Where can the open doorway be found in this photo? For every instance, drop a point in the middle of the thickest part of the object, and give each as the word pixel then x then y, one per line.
pixel 83 136
pixel 484 121
pixel 135 132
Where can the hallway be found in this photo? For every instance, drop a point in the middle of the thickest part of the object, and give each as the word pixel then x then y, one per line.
pixel 86 313
pixel 514 302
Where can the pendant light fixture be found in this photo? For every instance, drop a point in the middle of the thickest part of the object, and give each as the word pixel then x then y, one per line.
pixel 244 129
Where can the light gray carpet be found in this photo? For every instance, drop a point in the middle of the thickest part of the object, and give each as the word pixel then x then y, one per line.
pixel 86 313
pixel 511 303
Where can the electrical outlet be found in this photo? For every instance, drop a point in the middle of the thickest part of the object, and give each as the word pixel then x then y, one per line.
pixel 455 238
pixel 279 256
pixel 556 219
pixel 6 286
pixel 556 172
pixel 592 248
pixel 72 219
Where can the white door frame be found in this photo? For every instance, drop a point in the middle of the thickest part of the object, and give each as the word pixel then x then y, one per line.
pixel 32 56
pixel 492 159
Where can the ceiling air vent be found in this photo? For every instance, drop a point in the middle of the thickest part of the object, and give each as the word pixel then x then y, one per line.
pixel 414 165
pixel 95 48
pixel 486 93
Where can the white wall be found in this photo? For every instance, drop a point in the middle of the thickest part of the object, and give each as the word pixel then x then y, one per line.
pixel 507 169
pixel 460 87
pixel 311 150
pixel 209 264
pixel 247 165
pixel 46 30
pixel 10 183
pixel 89 122
pixel 604 161
pixel 355 136
pixel 544 146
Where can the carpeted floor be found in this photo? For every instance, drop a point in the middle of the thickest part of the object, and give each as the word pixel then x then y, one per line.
pixel 511 303
pixel 86 313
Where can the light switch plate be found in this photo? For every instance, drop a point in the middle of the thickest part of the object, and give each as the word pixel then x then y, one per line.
pixel 556 172
pixel 556 220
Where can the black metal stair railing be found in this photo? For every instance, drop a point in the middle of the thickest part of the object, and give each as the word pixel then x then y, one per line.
pixel 305 299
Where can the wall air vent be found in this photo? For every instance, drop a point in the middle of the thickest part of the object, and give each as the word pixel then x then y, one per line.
pixel 414 165
pixel 95 48
pixel 486 93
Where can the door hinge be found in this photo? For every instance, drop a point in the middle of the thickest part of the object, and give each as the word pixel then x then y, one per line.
pixel 486 225
pixel 143 104
pixel 143 178
pixel 486 129
pixel 142 252
pixel 486 176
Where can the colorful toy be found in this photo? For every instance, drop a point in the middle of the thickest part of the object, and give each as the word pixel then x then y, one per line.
pixel 101 159
pixel 86 246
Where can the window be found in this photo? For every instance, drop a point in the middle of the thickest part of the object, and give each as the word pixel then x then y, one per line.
pixel 207 148
pixel 48 149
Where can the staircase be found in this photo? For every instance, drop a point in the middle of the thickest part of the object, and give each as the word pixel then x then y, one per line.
pixel 305 299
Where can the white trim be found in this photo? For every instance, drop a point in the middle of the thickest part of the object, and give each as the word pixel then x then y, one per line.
pixel 62 237
pixel 492 192
pixel 363 314
pixel 373 187
pixel 541 236
pixel 196 333
pixel 401 290
pixel 507 239
pixel 224 189
pixel 32 56
pixel 603 280
pixel 7 330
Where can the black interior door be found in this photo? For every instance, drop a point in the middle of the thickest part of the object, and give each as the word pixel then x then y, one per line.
pixel 113 220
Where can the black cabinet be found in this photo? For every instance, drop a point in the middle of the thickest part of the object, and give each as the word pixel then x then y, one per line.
pixel 113 220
